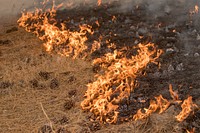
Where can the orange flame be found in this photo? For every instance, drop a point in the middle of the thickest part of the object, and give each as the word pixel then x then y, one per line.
pixel 191 131
pixel 99 2
pixel 160 104
pixel 187 108
pixel 44 26
pixel 116 83
pixel 196 10
pixel 174 95
pixel 114 18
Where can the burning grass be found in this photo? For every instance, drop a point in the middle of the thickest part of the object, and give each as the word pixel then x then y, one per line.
pixel 161 104
pixel 117 75
pixel 117 81
pixel 67 43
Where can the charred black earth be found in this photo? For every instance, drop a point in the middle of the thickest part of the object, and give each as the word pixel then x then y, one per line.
pixel 176 32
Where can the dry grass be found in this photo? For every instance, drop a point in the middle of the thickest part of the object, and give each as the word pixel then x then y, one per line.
pixel 22 64
pixel 40 92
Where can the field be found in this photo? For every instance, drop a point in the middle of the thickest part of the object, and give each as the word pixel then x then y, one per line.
pixel 42 91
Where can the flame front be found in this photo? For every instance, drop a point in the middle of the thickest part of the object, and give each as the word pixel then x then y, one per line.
pixel 117 78
pixel 116 83
pixel 64 41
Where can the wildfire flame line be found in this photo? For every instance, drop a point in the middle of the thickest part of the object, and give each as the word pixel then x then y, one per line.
pixel 118 81
pixel 68 43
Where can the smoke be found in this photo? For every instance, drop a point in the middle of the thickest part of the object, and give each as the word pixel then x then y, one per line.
pixel 153 8
pixel 11 7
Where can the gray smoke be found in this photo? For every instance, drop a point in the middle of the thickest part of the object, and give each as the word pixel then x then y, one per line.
pixel 153 8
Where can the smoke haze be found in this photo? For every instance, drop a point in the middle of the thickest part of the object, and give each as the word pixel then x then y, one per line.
pixel 10 7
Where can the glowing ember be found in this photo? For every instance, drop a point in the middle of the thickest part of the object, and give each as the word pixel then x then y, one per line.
pixel 118 80
pixel 187 108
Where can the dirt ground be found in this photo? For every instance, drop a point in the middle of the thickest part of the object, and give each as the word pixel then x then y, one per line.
pixel 40 90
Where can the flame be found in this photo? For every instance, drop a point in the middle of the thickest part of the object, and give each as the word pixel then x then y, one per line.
pixel 195 10
pixel 114 18
pixel 97 22
pixel 191 131
pixel 116 83
pixel 187 108
pixel 118 77
pixel 99 2
pixel 174 95
pixel 62 40
pixel 160 104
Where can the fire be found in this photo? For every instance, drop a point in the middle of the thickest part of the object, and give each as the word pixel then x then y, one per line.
pixel 187 107
pixel 195 10
pixel 118 73
pixel 191 131
pixel 97 22
pixel 62 40
pixel 174 95
pixel 160 104
pixel 114 18
pixel 117 82
pixel 99 2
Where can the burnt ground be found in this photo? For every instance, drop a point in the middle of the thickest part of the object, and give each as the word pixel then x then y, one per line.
pixel 38 89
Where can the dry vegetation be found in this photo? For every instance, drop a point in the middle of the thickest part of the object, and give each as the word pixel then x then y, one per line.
pixel 42 91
